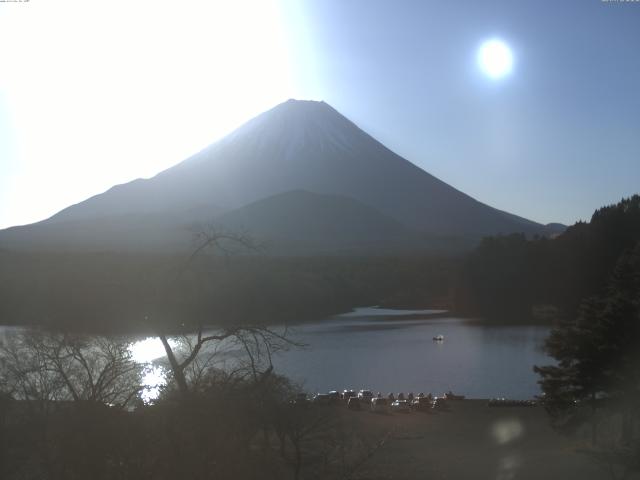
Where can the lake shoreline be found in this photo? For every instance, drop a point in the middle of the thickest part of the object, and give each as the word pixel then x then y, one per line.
pixel 310 320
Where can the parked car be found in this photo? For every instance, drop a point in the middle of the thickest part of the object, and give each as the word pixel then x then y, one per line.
pixel 421 403
pixel 400 406
pixel 347 394
pixel 379 405
pixel 353 403
pixel 505 402
pixel 365 395
pixel 439 402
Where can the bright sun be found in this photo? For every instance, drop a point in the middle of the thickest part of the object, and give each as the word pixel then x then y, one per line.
pixel 495 58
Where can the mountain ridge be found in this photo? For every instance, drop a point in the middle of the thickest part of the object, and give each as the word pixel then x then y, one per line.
pixel 301 145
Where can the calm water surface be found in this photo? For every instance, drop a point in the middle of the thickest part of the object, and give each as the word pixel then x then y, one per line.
pixel 390 353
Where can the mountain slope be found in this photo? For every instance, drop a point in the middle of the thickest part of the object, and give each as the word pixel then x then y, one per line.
pixel 302 222
pixel 297 145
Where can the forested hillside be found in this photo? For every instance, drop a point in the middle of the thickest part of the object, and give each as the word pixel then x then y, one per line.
pixel 119 292
pixel 510 276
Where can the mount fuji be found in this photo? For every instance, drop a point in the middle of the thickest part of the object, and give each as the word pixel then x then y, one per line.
pixel 301 176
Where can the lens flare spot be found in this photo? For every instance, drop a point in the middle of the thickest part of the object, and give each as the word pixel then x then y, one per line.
pixel 506 431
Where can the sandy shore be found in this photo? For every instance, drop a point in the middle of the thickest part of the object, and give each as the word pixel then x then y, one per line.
pixel 469 440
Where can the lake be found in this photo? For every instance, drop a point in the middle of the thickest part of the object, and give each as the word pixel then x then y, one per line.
pixel 393 351
pixel 389 351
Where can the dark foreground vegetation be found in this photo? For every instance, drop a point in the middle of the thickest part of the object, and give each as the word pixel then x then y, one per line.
pixel 70 409
pixel 596 380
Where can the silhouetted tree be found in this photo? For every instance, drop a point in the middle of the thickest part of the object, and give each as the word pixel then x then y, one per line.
pixel 44 367
pixel 598 357
pixel 66 402
pixel 258 341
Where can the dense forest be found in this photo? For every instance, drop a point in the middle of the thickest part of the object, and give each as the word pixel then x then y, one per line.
pixel 518 278
pixel 115 292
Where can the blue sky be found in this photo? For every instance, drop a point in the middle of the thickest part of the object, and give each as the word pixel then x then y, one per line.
pixel 94 94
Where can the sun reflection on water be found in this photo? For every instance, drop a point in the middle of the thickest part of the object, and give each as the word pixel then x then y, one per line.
pixel 154 378
pixel 148 349
pixel 149 352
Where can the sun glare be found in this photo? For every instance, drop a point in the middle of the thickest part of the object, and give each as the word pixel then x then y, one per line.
pixel 148 349
pixel 131 89
pixel 495 59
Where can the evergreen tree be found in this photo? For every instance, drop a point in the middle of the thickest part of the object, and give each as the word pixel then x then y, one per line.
pixel 597 353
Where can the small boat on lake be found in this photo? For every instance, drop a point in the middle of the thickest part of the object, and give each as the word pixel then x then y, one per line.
pixel 438 338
